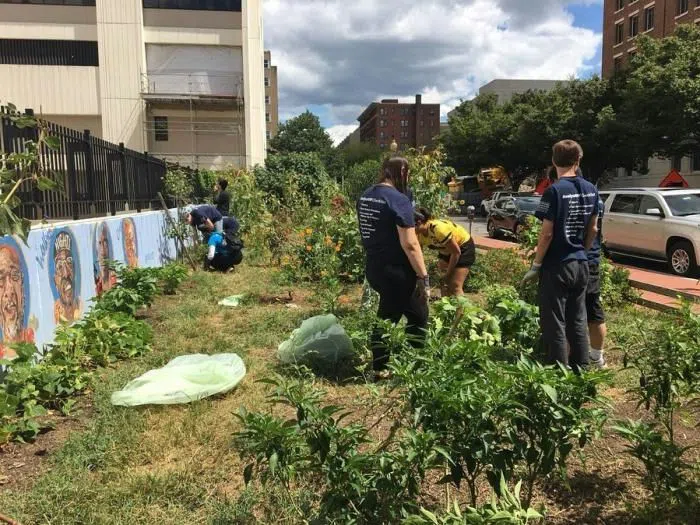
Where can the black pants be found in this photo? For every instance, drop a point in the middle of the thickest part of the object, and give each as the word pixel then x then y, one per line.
pixel 562 298
pixel 398 297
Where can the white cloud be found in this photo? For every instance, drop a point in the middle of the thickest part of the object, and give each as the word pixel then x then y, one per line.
pixel 343 55
pixel 339 132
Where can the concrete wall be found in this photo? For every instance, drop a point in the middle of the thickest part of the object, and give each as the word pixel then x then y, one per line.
pixel 122 59
pixel 53 278
pixel 47 14
pixel 254 82
pixel 53 90
pixel 78 122
pixel 190 19
pixel 506 88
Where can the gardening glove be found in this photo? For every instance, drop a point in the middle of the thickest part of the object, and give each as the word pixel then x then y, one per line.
pixel 424 288
pixel 532 274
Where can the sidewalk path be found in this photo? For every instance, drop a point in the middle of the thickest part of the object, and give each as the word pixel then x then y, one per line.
pixel 658 290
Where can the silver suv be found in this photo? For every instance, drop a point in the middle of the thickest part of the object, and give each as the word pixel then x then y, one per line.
pixel 654 223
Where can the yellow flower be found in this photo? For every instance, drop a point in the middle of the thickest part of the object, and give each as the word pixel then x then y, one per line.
pixel 309 248
pixel 302 234
pixel 337 248
pixel 309 231
pixel 324 273
pixel 329 241
pixel 461 203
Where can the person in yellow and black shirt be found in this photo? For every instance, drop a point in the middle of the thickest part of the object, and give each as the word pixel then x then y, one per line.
pixel 456 248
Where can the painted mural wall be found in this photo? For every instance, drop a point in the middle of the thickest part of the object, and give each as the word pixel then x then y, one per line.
pixel 53 278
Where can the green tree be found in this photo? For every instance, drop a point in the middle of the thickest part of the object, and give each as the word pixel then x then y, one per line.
pixel 360 152
pixel 304 134
pixel 661 103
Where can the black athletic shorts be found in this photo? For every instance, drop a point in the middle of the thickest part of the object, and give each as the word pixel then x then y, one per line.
pixel 594 308
pixel 467 257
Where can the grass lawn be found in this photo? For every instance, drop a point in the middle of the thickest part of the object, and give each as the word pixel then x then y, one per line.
pixel 176 465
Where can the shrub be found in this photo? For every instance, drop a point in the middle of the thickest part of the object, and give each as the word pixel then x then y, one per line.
pixel 359 177
pixel 136 288
pixel 283 173
pixel 505 267
pixel 615 287
pixel 429 176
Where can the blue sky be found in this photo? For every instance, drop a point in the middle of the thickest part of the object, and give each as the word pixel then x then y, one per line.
pixel 334 57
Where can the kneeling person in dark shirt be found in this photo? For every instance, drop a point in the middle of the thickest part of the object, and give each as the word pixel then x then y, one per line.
pixel 569 210
pixel 224 252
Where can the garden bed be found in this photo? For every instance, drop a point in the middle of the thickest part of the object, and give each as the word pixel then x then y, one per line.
pixel 177 465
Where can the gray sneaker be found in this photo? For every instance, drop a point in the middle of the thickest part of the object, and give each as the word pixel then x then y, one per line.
pixel 599 364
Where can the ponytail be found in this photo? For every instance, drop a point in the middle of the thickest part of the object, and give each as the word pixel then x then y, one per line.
pixel 395 170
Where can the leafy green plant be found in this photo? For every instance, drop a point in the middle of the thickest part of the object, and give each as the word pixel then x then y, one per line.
pixel 136 288
pixel 359 177
pixel 103 338
pixel 668 361
pixel 505 267
pixel 25 168
pixel 359 482
pixel 519 322
pixel 429 176
pixel 170 277
pixel 505 509
pixel 615 287
pixel 30 388
pixel 669 478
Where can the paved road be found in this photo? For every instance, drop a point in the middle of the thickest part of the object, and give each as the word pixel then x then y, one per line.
pixel 479 230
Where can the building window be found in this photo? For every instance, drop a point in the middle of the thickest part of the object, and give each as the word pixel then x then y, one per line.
pixel 432 112
pixel 267 99
pixel 268 134
pixel 677 163
pixel 266 64
pixel 268 117
pixel 51 2
pixel 682 7
pixel 649 18
pixel 382 111
pixel 48 52
pixel 696 160
pixel 382 145
pixel 634 26
pixel 619 5
pixel 617 64
pixel 160 125
pixel 194 5
pixel 382 123
pixel 422 123
pixel 382 135
pixel 404 134
pixel 404 123
pixel 619 33
pixel 267 81
pixel 631 53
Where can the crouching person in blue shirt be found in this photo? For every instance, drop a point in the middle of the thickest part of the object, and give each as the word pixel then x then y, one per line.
pixel 224 252
pixel 569 212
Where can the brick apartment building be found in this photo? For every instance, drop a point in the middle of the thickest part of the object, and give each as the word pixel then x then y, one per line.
pixel 624 20
pixel 272 118
pixel 410 125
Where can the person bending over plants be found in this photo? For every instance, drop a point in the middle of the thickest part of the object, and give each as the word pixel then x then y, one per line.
pixel 394 265
pixel 456 249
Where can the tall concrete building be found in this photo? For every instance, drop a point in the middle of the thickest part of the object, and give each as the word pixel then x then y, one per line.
pixel 624 20
pixel 411 125
pixel 181 79
pixel 272 116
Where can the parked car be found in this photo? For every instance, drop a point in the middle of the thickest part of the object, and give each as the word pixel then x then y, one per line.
pixel 654 223
pixel 487 204
pixel 509 215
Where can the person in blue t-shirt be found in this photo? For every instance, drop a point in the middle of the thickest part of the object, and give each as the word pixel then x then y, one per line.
pixel 394 266
pixel 206 218
pixel 222 255
pixel 597 329
pixel 569 212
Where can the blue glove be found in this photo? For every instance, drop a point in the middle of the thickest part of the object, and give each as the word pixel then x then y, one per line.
pixel 532 274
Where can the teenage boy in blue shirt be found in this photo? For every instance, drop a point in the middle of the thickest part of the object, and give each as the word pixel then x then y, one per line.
pixel 569 212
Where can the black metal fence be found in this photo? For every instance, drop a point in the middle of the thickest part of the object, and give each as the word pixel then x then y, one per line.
pixel 96 177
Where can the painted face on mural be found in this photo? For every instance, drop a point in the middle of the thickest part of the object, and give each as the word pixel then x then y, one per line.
pixel 129 231
pixel 11 294
pixel 64 276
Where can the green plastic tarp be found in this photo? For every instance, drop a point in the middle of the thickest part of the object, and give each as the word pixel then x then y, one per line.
pixel 318 340
pixel 184 379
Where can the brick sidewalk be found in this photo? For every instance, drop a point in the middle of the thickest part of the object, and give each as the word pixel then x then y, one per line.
pixel 658 290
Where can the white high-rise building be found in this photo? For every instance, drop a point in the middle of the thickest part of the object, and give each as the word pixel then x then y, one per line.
pixel 181 79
